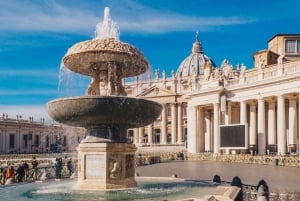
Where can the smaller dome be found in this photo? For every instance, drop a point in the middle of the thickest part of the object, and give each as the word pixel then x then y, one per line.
pixel 194 64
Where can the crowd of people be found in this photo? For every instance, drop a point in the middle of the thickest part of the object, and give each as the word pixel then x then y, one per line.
pixel 23 172
pixel 12 174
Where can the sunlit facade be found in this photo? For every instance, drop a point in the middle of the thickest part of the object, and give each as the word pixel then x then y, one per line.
pixel 200 97
pixel 18 135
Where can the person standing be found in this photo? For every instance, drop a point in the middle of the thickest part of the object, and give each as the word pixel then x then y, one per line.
pixel 34 164
pixel 26 170
pixel 58 168
pixel 70 166
pixel 10 173
pixel 2 176
pixel 20 173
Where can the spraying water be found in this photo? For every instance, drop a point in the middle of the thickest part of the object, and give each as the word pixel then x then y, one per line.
pixel 107 28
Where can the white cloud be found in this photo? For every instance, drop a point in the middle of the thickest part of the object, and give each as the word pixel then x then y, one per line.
pixel 132 17
pixel 45 16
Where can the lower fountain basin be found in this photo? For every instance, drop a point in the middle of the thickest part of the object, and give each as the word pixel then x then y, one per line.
pixel 147 189
pixel 94 111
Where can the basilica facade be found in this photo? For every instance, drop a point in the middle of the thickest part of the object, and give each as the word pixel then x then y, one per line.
pixel 201 97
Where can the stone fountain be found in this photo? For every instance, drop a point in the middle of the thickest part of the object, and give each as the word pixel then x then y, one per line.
pixel 106 160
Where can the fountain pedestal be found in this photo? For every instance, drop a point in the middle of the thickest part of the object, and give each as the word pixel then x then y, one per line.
pixel 106 166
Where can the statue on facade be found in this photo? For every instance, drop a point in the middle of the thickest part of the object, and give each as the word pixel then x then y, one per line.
pixel 173 73
pixel 242 70
pixel 207 70
pixel 226 69
pixel 156 73
pixel 163 74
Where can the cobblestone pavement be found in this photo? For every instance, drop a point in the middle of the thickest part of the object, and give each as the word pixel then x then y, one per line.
pixel 279 178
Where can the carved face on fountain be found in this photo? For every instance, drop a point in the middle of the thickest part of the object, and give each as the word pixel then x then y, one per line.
pixel 105 111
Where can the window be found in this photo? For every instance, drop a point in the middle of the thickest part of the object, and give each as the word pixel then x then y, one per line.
pixel 130 135
pixel 25 141
pixel 292 46
pixel 36 141
pixel 11 141
pixel 65 140
pixel 169 113
pixel 47 141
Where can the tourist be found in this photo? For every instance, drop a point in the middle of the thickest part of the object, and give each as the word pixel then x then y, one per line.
pixel 70 166
pixel 26 170
pixel 2 176
pixel 10 173
pixel 34 164
pixel 20 173
pixel 58 168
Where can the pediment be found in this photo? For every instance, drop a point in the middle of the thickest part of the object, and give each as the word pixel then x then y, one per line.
pixel 156 92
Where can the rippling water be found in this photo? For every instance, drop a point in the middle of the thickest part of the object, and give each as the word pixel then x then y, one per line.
pixel 64 190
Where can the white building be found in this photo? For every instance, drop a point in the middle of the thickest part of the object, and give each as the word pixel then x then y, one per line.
pixel 200 97
pixel 18 135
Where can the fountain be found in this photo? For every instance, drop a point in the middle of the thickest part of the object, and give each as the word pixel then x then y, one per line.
pixel 105 158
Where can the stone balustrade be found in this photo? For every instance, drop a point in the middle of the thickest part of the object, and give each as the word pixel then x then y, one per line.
pixel 271 72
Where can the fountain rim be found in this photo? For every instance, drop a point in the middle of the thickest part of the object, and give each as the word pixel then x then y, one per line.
pixel 77 47
pixel 101 97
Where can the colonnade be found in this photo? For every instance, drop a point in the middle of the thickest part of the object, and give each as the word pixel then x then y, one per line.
pixel 273 124
pixel 169 128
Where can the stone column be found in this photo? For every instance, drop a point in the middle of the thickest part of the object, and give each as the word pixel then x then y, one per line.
pixel 252 126
pixel 164 125
pixel 281 136
pixel 299 121
pixel 261 130
pixel 207 135
pixel 174 119
pixel 292 125
pixel 136 135
pixel 243 112
pixel 228 114
pixel 201 129
pixel 271 124
pixel 216 127
pixel 141 135
pixel 192 129
pixel 179 123
pixel 150 134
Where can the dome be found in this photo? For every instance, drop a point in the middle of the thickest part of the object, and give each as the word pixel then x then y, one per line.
pixel 195 62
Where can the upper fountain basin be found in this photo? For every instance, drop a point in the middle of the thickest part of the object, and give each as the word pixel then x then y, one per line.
pixel 93 111
pixel 92 56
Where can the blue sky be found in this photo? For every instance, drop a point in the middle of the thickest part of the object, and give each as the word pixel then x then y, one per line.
pixel 35 35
